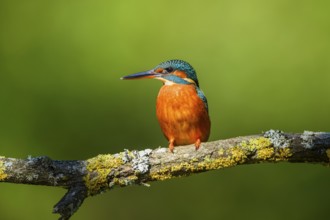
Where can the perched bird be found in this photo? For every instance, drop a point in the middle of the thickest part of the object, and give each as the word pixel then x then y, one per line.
pixel 181 108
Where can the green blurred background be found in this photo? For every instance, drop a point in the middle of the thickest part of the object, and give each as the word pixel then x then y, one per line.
pixel 261 64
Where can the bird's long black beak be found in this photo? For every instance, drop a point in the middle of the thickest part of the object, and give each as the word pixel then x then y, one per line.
pixel 142 75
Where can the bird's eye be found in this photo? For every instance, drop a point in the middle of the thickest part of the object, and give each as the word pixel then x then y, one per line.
pixel 168 69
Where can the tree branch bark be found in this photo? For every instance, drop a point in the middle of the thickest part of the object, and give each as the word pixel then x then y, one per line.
pixel 90 177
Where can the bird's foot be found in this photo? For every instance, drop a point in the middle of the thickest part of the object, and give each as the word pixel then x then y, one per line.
pixel 197 144
pixel 171 145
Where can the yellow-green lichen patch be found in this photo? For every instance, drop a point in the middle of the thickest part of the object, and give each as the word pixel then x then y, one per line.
pixel 221 152
pixel 255 144
pixel 98 169
pixel 238 154
pixel 328 153
pixel 176 170
pixel 265 153
pixel 125 181
pixel 161 174
pixel 228 158
pixel 3 174
pixel 262 146
pixel 216 164
pixel 283 154
pixel 194 160
pixel 265 150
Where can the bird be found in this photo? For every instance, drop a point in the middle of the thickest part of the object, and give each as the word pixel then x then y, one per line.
pixel 181 106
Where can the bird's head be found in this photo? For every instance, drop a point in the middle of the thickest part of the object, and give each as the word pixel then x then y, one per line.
pixel 170 72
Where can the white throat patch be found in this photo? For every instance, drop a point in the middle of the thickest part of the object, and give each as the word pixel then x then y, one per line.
pixel 168 83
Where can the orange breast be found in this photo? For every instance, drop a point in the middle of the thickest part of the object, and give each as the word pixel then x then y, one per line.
pixel 182 115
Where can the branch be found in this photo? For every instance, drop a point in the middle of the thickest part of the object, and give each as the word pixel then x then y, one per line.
pixel 103 172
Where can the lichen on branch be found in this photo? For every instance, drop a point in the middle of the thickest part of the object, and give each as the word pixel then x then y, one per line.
pixel 90 177
pixel 3 174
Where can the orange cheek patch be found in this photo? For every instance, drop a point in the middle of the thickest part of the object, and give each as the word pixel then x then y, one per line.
pixel 159 70
pixel 180 74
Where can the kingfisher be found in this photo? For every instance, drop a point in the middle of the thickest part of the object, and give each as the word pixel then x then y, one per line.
pixel 181 106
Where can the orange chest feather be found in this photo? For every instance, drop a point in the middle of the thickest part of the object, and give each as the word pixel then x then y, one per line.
pixel 179 102
pixel 182 114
